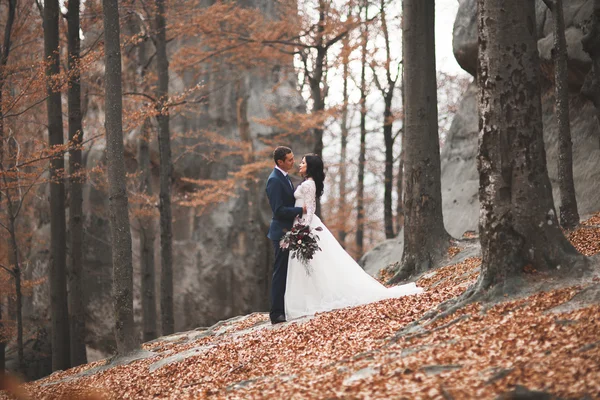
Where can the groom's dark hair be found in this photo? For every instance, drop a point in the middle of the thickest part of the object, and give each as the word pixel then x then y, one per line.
pixel 280 153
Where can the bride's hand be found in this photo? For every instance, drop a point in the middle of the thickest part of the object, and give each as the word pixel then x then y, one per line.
pixel 303 210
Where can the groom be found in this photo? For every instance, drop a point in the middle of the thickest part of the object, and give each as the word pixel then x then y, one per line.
pixel 280 192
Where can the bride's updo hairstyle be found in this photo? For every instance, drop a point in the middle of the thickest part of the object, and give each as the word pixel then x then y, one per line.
pixel 315 170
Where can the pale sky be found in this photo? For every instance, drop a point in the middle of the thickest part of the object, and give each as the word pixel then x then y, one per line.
pixel 445 12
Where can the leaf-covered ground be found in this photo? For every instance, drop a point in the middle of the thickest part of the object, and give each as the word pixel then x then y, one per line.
pixel 549 341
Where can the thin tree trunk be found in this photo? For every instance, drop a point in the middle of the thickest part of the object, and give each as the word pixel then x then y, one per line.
pixel 591 45
pixel 147 239
pixel 518 225
pixel 16 271
pixel 318 107
pixel 58 278
pixel 399 192
pixel 569 216
pixel 425 238
pixel 342 202
pixel 360 196
pixel 388 138
pixel 118 202
pixel 315 81
pixel 147 230
pixel 75 275
pixel 388 121
pixel 164 147
pixel 13 252
pixel 318 77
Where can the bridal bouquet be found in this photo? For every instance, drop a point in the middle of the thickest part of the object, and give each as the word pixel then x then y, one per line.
pixel 302 243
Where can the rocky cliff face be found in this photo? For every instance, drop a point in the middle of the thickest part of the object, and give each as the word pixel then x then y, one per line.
pixel 222 258
pixel 460 180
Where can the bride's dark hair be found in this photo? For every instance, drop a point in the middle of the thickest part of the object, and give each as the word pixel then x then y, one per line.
pixel 315 170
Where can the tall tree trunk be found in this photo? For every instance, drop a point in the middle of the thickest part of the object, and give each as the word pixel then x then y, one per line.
pixel 342 202
pixel 164 147
pixel 317 77
pixel 360 195
pixel 388 139
pixel 58 278
pixel 4 53
pixel 425 238
pixel 569 216
pixel 75 275
pixel 318 107
pixel 591 44
pixel 12 206
pixel 146 220
pixel 388 121
pixel 117 190
pixel 518 225
pixel 400 192
pixel 16 272
pixel 147 239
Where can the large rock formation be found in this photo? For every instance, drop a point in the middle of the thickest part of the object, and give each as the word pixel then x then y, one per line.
pixel 460 180
pixel 222 258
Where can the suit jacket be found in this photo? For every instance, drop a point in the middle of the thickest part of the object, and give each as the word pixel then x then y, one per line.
pixel 281 199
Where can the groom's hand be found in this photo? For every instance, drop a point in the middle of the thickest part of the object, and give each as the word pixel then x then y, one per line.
pixel 303 210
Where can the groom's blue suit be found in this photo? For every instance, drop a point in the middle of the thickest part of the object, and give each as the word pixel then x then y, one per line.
pixel 280 192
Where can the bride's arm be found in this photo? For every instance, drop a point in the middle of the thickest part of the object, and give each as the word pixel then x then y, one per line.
pixel 309 191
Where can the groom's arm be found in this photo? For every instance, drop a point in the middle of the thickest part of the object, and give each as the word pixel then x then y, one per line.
pixel 280 211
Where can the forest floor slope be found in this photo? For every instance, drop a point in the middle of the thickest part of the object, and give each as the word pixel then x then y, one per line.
pixel 545 341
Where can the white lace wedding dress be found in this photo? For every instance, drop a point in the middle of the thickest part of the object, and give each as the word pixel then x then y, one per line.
pixel 335 280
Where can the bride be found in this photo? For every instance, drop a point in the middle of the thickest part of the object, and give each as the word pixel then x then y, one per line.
pixel 335 279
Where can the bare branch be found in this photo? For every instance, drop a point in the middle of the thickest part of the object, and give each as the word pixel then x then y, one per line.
pixel 5 227
pixel 25 110
pixel 22 199
pixel 62 152
pixel 152 99
pixel 10 271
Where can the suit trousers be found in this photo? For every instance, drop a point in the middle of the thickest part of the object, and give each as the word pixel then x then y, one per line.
pixel 280 269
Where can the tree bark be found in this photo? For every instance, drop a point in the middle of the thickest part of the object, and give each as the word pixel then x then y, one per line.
pixel 317 77
pixel 16 272
pixel 146 219
pixel 147 239
pixel 388 121
pixel 400 192
pixel 400 177
pixel 360 195
pixel 75 273
pixel 342 202
pixel 117 190
pixel 591 45
pixel 425 238
pixel 13 248
pixel 164 147
pixel 569 216
pixel 388 139
pixel 58 276
pixel 518 225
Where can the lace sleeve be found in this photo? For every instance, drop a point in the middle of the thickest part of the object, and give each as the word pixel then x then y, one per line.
pixel 309 194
